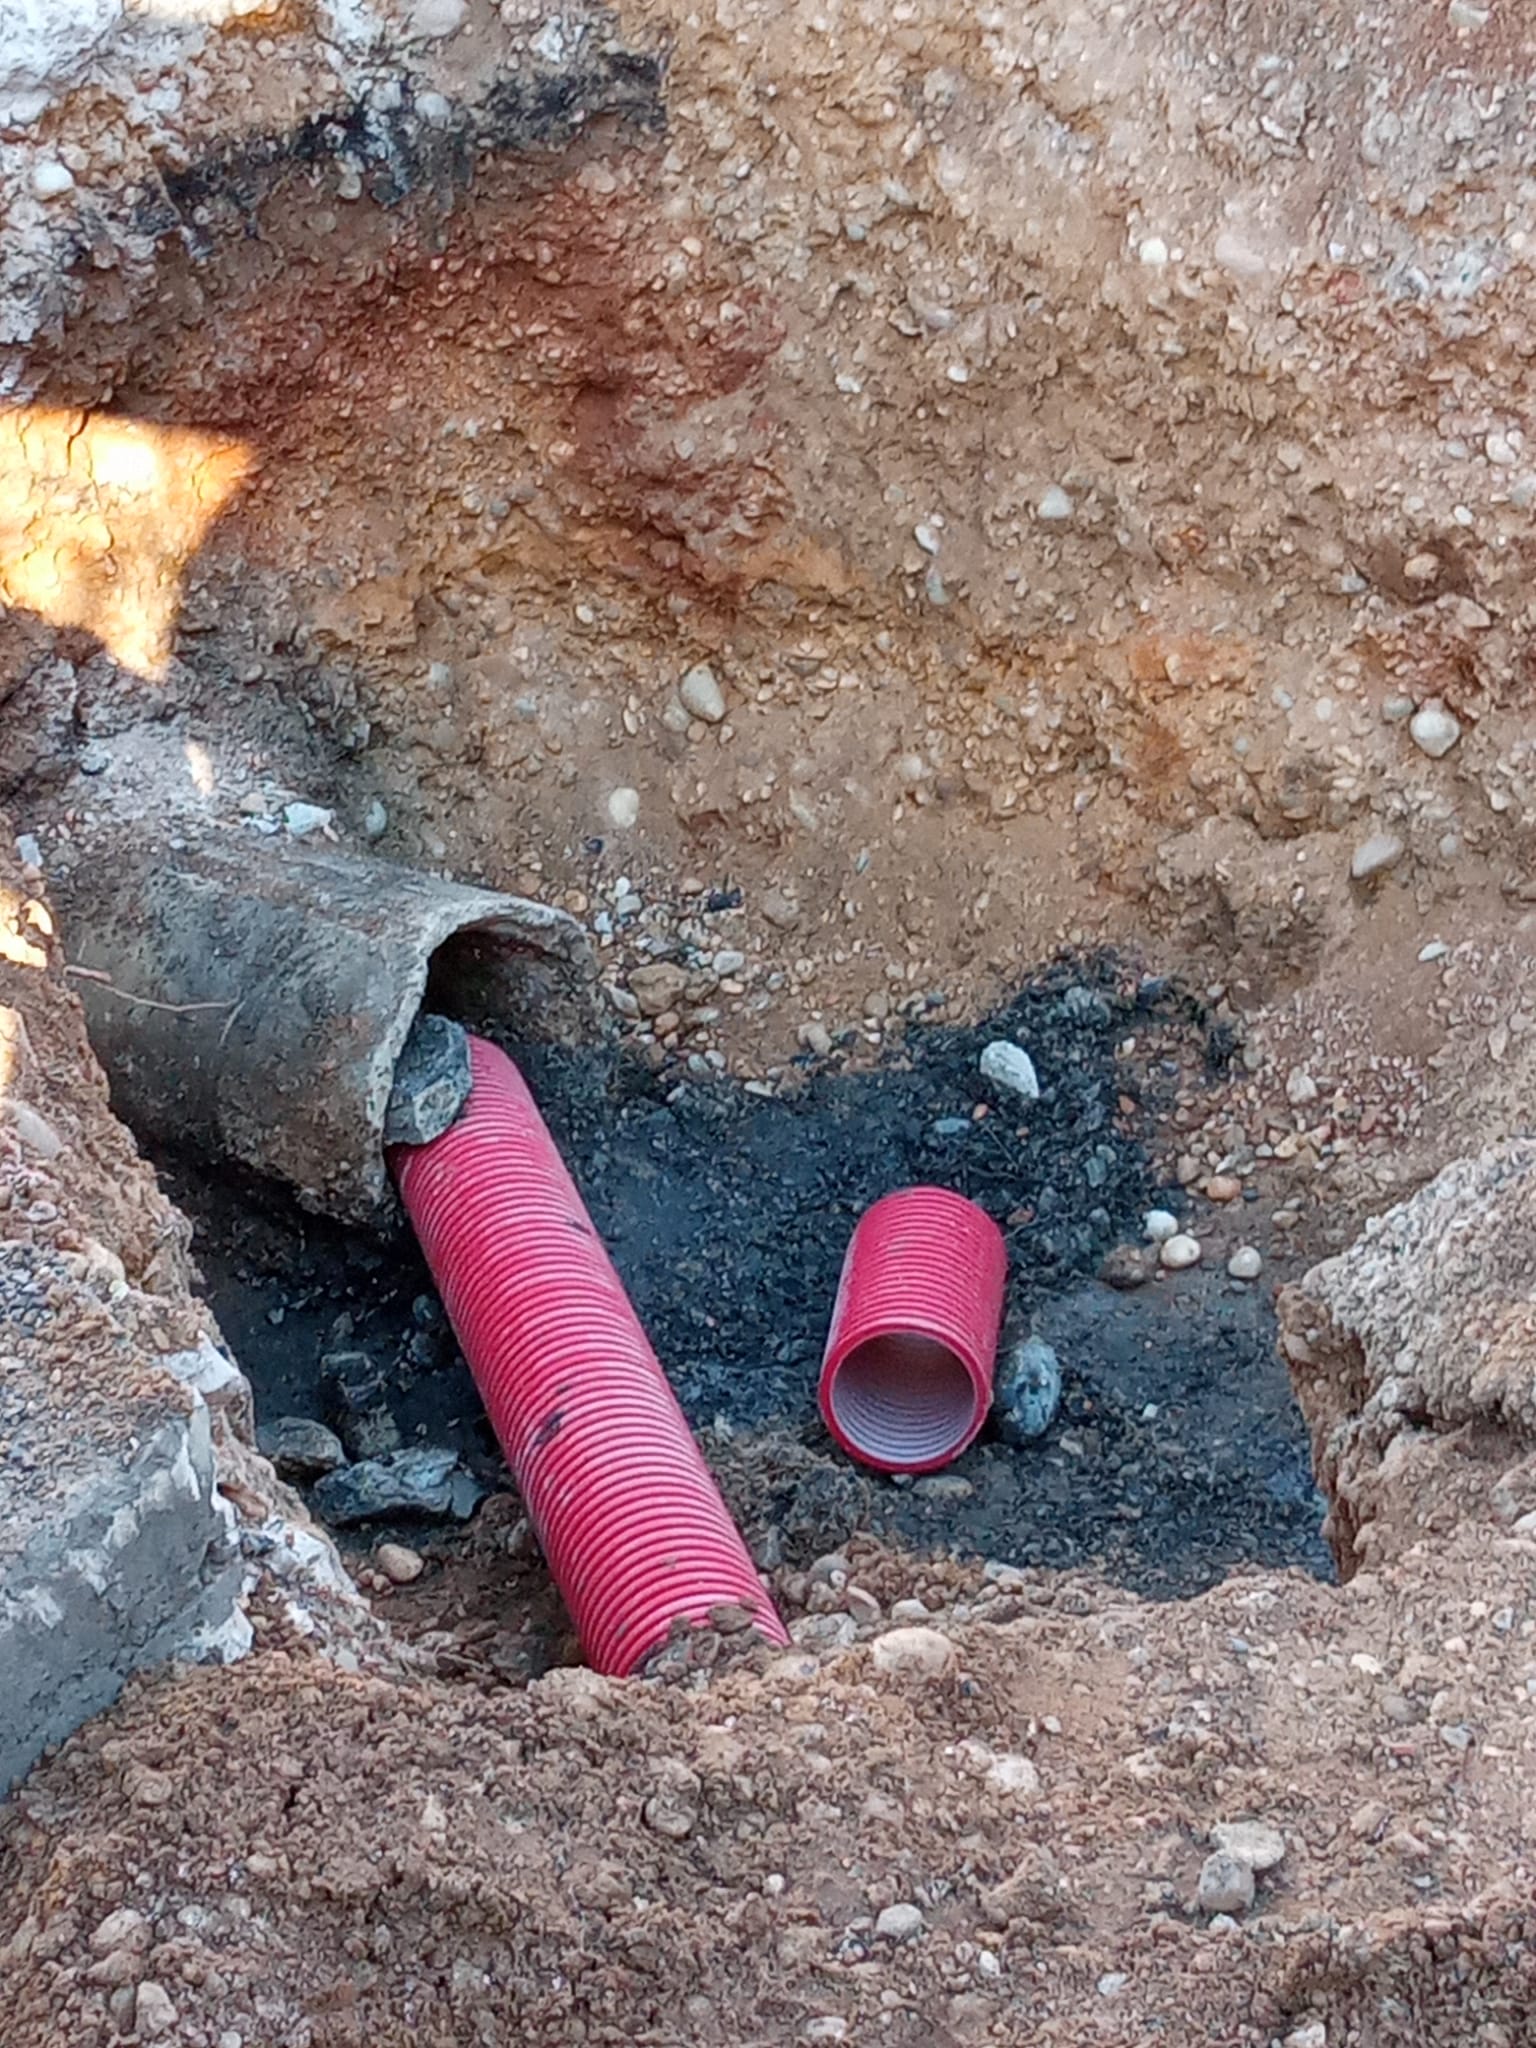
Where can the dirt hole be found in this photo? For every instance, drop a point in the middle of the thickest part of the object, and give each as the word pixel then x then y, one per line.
pixel 1177 1455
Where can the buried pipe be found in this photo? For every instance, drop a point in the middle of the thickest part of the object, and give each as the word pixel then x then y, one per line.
pixel 250 1001
pixel 906 1379
pixel 632 1524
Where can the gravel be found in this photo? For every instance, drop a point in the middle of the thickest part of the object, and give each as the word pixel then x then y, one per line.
pixel 1179 1252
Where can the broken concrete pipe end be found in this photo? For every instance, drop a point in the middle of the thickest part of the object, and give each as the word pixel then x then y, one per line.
pixel 637 1536
pixel 253 1004
pixel 906 1379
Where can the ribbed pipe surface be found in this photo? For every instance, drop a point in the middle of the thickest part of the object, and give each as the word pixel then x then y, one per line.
pixel 906 1379
pixel 630 1520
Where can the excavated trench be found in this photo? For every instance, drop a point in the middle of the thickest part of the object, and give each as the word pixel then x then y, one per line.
pixel 1177 1454
pixel 455 460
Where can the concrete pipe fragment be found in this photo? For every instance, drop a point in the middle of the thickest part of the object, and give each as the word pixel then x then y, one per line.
pixel 250 1003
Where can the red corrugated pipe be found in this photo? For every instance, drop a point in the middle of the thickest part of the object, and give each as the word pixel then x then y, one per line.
pixel 630 1520
pixel 906 1380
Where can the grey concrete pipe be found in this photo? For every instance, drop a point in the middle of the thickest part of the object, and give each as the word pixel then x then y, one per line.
pixel 250 1002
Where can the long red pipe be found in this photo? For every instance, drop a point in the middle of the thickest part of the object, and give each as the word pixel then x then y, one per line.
pixel 626 1512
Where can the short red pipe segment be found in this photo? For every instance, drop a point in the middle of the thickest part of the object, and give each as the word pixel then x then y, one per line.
pixel 627 1514
pixel 906 1379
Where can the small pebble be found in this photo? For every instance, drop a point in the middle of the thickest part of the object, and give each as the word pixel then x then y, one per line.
pixel 1158 1225
pixel 1437 949
pixel 1178 1252
pixel 1300 1088
pixel 1055 505
pixel 815 1038
pixel 1154 252
pixel 305 820
pixel 1124 1267
pixel 153 2012
pixel 1113 1982
pixel 1009 1066
pixel 899 1923
pixel 702 695
pixel 1226 1886
pixel 1245 1263
pixel 913 1653
pixel 1434 730
pixel 51 180
pixel 1249 1841
pixel 943 1486
pixel 399 1564
pixel 1223 1187
pixel 375 820
pixel 624 809
pixel 1375 855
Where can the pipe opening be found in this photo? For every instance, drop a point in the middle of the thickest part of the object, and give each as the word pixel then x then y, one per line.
pixel 905 1401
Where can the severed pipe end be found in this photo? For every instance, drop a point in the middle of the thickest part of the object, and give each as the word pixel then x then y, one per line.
pixel 432 1082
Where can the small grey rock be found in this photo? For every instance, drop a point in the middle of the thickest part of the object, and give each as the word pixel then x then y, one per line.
pixel 1434 730
pixel 899 1923
pixel 1375 855
pixel 300 1448
pixel 1246 1263
pixel 1252 1842
pixel 305 820
pixel 1125 1266
pixel 943 1486
pixel 432 1082
pixel 356 1401
pixel 1027 1392
pixel 1009 1066
pixel 1226 1885
pixel 375 820
pixel 424 1480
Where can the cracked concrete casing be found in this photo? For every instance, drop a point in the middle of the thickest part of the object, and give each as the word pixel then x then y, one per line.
pixel 123 1558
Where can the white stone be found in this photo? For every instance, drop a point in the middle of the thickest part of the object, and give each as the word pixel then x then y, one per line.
pixel 1158 1225
pixel 401 1565
pixel 1112 1983
pixel 1009 1066
pixel 1300 1088
pixel 50 179
pixel 1250 1841
pixel 304 820
pixel 1375 855
pixel 1014 1776
pixel 437 18
pixel 701 694
pixel 729 960
pixel 1501 451
pixel 1055 505
pixel 1437 949
pixel 913 1653
pixel 624 809
pixel 153 2012
pixel 899 1923
pixel 1154 252
pixel 1313 2035
pixel 1245 1263
pixel 1179 1251
pixel 1434 730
